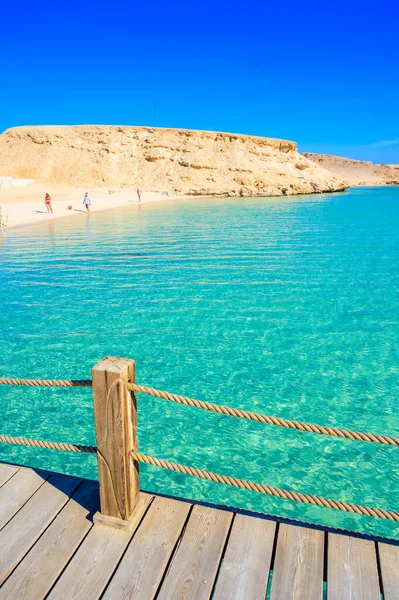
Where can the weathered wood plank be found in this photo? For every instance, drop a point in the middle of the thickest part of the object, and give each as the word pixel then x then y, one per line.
pixel 17 491
pixel 116 422
pixel 195 565
pixel 38 571
pixel 246 564
pixel 389 562
pixel 6 472
pixel 19 535
pixel 298 565
pixel 145 561
pixel 92 566
pixel 351 569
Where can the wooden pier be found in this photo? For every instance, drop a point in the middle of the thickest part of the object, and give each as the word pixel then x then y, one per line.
pixel 50 548
pixel 66 538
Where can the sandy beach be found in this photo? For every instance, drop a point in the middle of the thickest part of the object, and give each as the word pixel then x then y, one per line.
pixel 25 205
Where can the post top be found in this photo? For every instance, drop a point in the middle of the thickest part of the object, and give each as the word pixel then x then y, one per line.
pixel 114 364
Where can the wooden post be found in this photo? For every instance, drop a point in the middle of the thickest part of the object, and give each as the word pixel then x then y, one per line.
pixel 115 415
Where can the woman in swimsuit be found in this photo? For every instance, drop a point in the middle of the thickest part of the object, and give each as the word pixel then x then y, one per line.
pixel 47 202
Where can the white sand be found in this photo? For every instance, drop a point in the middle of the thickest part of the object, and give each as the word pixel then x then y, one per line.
pixel 24 205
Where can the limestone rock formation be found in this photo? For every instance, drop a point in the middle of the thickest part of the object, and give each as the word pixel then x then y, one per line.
pixel 357 172
pixel 162 160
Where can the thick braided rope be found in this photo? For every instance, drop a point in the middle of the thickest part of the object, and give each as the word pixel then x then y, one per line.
pixel 46 382
pixel 270 420
pixel 20 441
pixel 368 511
pixel 359 436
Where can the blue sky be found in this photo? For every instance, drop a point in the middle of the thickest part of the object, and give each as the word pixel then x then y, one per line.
pixel 323 74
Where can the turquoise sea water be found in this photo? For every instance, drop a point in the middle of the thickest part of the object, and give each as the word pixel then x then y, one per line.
pixel 283 306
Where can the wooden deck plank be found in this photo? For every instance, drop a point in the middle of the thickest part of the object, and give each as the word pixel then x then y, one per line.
pixel 17 491
pixel 298 565
pixel 389 562
pixel 49 548
pixel 195 565
pixel 6 472
pixel 38 571
pixel 351 569
pixel 246 564
pixel 19 535
pixel 142 567
pixel 92 566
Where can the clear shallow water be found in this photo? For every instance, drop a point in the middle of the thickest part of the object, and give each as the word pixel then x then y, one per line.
pixel 283 306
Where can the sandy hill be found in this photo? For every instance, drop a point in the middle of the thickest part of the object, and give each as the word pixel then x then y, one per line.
pixel 161 160
pixel 357 172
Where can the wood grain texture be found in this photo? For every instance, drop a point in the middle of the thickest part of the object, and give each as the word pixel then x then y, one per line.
pixel 19 535
pixel 50 549
pixel 298 565
pixel 17 491
pixel 145 561
pixel 89 571
pixel 115 415
pixel 195 565
pixel 6 472
pixel 389 562
pixel 244 573
pixel 351 569
pixel 38 571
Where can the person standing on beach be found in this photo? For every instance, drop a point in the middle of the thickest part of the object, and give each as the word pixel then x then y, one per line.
pixel 139 194
pixel 87 201
pixel 47 202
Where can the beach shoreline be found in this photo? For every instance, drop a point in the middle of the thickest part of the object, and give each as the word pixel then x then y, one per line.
pixel 25 205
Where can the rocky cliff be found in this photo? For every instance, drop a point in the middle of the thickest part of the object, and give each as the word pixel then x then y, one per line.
pixel 357 172
pixel 162 160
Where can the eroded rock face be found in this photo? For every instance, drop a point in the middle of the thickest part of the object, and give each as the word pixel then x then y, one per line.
pixel 162 160
pixel 357 172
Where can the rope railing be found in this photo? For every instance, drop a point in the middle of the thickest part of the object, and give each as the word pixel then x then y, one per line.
pixel 269 420
pixel 116 390
pixel 46 382
pixel 359 436
pixel 261 488
pixel 22 441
